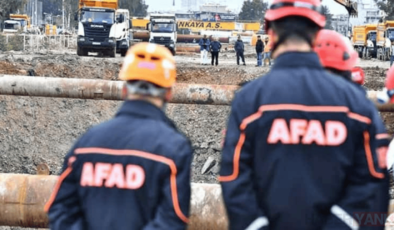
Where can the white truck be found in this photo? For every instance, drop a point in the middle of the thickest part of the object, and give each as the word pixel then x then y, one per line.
pixel 17 23
pixel 163 30
pixel 102 28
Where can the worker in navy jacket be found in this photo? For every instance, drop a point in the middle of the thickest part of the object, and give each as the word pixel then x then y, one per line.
pixel 132 172
pixel 299 151
pixel 204 48
pixel 239 48
pixel 338 56
pixel 215 49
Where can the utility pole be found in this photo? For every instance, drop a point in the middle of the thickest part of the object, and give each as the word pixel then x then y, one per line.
pixel 63 14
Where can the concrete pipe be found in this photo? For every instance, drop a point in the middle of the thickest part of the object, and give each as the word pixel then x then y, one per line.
pixel 22 200
pixel 108 90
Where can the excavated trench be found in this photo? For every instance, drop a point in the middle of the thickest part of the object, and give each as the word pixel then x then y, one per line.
pixel 42 130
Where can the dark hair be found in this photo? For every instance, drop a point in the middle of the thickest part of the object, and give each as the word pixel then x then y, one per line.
pixel 345 74
pixel 259 36
pixel 295 28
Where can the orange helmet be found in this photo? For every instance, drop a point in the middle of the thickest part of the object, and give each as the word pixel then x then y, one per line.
pixel 151 63
pixel 335 51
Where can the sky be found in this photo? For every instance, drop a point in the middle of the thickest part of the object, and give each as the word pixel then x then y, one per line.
pixel 155 5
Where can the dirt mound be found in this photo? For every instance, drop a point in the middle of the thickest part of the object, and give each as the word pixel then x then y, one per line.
pixel 217 75
pixel 375 78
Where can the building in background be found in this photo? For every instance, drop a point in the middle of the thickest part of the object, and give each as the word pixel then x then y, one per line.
pixel 189 5
pixel 368 13
pixel 33 8
pixel 340 23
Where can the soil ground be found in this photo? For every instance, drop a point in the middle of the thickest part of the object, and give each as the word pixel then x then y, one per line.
pixel 42 130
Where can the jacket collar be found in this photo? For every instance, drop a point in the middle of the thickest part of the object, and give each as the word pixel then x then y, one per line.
pixel 297 59
pixel 143 109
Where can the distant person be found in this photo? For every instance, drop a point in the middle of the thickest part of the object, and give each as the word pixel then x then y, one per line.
pixel 239 49
pixel 259 51
pixel 204 48
pixel 215 49
pixel 392 53
pixel 267 51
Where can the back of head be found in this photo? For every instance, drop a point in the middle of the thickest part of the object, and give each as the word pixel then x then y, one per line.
pixel 335 51
pixel 149 70
pixel 294 20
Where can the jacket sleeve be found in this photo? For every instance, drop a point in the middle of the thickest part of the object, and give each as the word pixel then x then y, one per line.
pixel 236 172
pixel 172 213
pixel 365 179
pixel 63 208
pixel 200 42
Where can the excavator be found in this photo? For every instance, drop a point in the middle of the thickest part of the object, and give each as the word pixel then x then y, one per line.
pixel 350 6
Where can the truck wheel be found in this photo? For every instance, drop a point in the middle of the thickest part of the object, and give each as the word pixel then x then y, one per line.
pixel 123 52
pixel 80 51
pixel 112 53
pixel 173 52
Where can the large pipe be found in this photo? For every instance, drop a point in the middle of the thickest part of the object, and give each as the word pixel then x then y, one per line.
pixel 182 38
pixel 112 90
pixel 22 200
pixel 108 90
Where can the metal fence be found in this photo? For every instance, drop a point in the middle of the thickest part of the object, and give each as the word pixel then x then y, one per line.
pixel 37 42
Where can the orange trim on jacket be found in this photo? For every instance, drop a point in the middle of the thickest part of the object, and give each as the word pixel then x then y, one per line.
pixel 264 108
pixel 150 156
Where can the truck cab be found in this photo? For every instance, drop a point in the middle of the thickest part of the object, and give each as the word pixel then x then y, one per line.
pixel 385 35
pixel 12 26
pixel 364 40
pixel 163 30
pixel 97 23
pixel 122 32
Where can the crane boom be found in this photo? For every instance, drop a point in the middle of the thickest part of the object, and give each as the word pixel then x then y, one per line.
pixel 350 6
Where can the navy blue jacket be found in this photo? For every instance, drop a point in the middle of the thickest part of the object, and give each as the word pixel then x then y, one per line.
pixel 259 46
pixel 300 151
pixel 204 44
pixel 132 172
pixel 239 46
pixel 215 46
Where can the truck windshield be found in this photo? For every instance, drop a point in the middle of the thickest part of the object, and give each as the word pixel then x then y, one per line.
pixel 98 17
pixel 390 34
pixel 11 26
pixel 162 27
pixel 372 36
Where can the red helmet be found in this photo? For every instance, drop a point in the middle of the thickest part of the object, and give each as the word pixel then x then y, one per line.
pixel 390 84
pixel 310 9
pixel 335 51
pixel 358 75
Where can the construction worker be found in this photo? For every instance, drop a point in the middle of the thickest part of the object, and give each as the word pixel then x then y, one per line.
pixel 259 51
pixel 215 49
pixel 267 51
pixel 239 48
pixel 392 53
pixel 132 172
pixel 204 48
pixel 298 152
pixel 337 55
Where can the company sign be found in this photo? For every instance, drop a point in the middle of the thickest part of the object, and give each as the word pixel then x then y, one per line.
pixel 206 25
